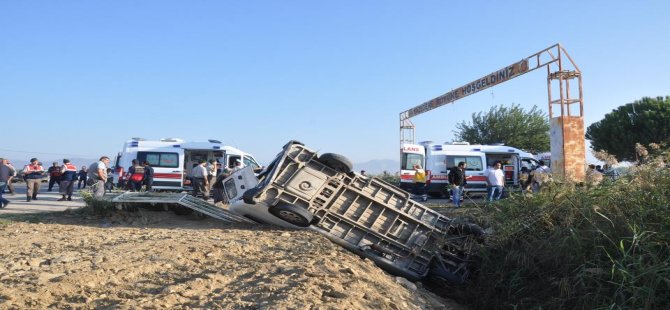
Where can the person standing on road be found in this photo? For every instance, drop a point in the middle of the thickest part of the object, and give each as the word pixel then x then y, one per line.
pixel 54 175
pixel 148 176
pixel 495 182
pixel 10 182
pixel 32 174
pixel 457 181
pixel 211 173
pixel 97 176
pixel 420 182
pixel 69 175
pixel 6 173
pixel 82 177
pixel 200 183
pixel 217 187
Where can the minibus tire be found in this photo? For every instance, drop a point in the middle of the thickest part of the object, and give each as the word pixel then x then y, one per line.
pixel 337 162
pixel 293 214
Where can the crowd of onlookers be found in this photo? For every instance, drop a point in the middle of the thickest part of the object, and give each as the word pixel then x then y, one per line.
pixel 64 175
pixel 530 181
pixel 207 178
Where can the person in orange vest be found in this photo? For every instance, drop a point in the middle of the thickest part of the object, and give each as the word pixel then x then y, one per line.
pixel 32 174
pixel 68 176
pixel 136 172
pixel 54 175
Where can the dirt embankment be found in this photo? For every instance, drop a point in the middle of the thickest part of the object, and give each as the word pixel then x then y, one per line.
pixel 152 259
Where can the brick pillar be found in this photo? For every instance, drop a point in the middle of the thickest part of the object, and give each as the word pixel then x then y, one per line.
pixel 568 147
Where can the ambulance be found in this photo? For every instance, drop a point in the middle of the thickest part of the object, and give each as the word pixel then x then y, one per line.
pixel 438 159
pixel 172 160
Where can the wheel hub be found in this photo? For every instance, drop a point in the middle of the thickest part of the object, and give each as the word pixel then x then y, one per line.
pixel 291 217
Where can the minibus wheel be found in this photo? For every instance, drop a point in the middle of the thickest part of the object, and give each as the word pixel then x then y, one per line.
pixel 292 214
pixel 336 161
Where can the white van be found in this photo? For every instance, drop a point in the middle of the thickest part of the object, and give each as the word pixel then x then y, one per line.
pixel 172 160
pixel 438 159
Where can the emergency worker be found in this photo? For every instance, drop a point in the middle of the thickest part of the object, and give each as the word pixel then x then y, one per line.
pixel 69 175
pixel 420 182
pixel 32 174
pixel 136 172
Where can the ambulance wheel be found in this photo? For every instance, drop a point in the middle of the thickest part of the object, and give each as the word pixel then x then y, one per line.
pixel 336 161
pixel 293 214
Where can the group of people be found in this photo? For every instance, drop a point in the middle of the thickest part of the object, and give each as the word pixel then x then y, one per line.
pixel 533 180
pixel 140 176
pixel 494 177
pixel 207 178
pixel 64 175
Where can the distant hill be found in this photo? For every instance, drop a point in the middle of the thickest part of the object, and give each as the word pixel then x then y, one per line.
pixel 378 166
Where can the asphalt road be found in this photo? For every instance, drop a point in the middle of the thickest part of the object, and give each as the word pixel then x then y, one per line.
pixel 46 201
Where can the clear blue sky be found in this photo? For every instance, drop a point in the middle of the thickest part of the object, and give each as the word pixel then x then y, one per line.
pixel 78 78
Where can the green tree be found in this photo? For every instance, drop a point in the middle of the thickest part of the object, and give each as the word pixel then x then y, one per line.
pixel 513 126
pixel 643 121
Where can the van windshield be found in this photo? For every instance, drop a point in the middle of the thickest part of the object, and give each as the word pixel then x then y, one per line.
pixel 250 161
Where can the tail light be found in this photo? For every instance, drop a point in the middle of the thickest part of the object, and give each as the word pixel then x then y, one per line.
pixel 427 177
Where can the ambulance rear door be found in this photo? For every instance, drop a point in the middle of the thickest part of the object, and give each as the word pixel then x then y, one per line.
pixel 410 155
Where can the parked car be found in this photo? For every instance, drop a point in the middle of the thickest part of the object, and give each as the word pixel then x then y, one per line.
pixel 366 215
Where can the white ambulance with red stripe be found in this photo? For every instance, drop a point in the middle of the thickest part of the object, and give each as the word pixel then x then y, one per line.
pixel 438 159
pixel 172 160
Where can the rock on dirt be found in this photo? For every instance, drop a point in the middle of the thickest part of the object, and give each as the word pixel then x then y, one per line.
pixel 159 260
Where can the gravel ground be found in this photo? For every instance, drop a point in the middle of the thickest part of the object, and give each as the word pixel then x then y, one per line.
pixel 157 260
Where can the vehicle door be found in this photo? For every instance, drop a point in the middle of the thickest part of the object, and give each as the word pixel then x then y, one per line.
pixel 239 182
pixel 410 155
pixel 168 168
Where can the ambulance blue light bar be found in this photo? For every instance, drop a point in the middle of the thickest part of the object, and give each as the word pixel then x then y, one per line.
pixel 216 147
pixel 176 145
pixel 476 150
pixel 134 144
pixel 437 147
